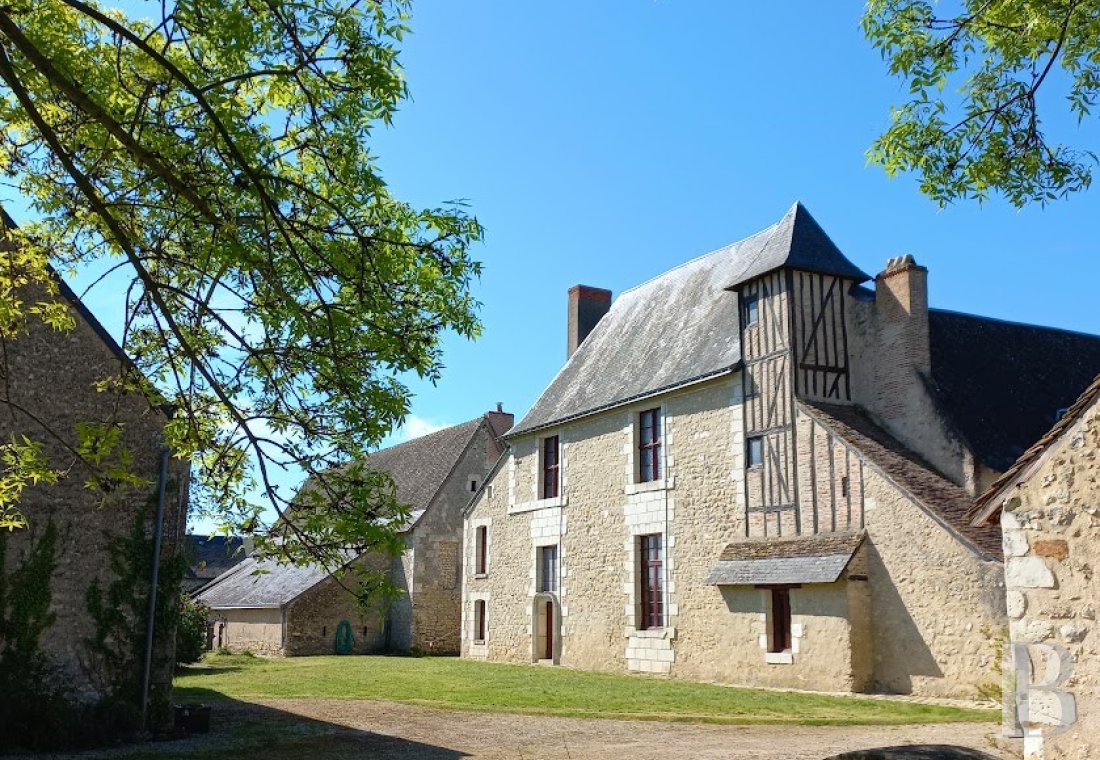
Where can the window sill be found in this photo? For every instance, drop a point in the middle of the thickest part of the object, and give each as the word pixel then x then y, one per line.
pixel 531 506
pixel 652 633
pixel 664 484
pixel 479 642
pixel 754 467
pixel 779 658
pixel 481 575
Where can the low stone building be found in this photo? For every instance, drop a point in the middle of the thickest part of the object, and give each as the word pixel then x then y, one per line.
pixel 268 608
pixel 753 469
pixel 1048 506
pixel 74 582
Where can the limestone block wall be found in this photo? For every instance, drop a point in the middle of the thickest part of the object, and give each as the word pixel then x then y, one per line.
pixel 1051 529
pixel 53 375
pixel 938 607
pixel 435 580
pixel 249 630
pixel 697 508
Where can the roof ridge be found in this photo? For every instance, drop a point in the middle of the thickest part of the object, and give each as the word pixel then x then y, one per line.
pixel 420 438
pixel 721 249
pixel 1014 323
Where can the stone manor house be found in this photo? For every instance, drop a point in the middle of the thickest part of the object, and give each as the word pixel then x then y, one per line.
pixel 757 469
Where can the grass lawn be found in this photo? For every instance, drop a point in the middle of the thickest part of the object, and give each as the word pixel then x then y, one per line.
pixel 457 684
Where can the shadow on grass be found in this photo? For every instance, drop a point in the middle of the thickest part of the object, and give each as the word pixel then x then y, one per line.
pixel 238 727
pixel 207 670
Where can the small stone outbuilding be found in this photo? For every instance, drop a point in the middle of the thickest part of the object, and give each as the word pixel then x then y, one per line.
pixel 273 609
pixel 1048 507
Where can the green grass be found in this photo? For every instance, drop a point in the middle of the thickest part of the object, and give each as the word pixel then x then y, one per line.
pixel 491 687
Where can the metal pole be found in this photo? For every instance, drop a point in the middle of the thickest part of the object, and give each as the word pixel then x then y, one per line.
pixel 158 530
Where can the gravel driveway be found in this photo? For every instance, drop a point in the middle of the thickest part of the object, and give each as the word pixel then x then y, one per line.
pixel 404 731
pixel 330 729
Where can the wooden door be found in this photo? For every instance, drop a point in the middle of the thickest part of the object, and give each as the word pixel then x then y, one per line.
pixel 549 653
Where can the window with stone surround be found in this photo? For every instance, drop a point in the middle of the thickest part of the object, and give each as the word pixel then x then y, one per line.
pixel 550 454
pixel 651 603
pixel 479 621
pixel 481 550
pixel 649 445
pixel 547 578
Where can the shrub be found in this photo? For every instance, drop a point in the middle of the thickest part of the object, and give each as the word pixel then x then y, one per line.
pixel 191 630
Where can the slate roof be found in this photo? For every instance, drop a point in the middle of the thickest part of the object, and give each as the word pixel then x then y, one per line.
pixel 946 502
pixel 988 506
pixel 420 467
pixel 210 556
pixel 279 585
pixel 680 327
pixel 1002 383
pixel 805 559
pixel 795 242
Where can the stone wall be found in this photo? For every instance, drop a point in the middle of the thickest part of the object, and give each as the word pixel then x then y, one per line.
pixel 1051 526
pixel 53 375
pixel 920 612
pixel 888 341
pixel 312 618
pixel 710 633
pixel 938 608
pixel 435 582
pixel 248 630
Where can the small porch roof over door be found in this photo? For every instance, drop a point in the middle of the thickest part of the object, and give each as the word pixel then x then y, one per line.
pixel 786 561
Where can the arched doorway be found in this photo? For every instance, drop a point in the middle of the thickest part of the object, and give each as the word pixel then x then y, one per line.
pixel 546 629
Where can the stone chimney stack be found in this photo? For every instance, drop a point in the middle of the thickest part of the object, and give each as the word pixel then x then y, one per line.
pixel 587 305
pixel 901 304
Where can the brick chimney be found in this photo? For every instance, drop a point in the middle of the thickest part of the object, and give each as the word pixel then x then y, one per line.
pixel 501 422
pixel 587 305
pixel 901 303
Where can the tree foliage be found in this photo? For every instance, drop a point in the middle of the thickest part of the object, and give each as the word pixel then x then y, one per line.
pixel 215 154
pixel 975 77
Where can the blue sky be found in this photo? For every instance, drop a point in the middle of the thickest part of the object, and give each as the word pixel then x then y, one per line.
pixel 603 143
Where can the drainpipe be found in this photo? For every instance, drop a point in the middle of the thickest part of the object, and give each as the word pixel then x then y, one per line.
pixel 282 629
pixel 158 532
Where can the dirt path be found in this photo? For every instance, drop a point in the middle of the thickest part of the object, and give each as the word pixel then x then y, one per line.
pixel 331 729
pixel 429 733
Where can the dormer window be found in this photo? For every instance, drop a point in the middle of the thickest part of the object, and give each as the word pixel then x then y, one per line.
pixel 751 310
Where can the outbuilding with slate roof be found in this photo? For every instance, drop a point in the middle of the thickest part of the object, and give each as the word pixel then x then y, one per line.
pixel 757 468
pixel 268 608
